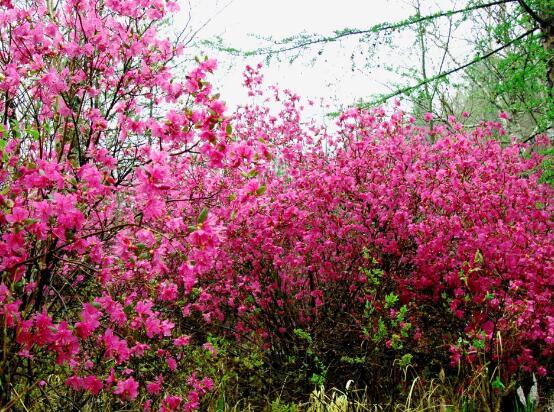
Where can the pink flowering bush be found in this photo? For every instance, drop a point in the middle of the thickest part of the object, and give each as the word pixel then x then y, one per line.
pixel 372 246
pixel 104 201
pixel 141 228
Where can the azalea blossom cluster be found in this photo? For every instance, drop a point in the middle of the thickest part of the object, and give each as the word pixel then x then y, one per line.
pixel 135 215
pixel 108 165
pixel 452 241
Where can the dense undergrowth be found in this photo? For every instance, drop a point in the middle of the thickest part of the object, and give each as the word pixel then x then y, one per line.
pixel 157 253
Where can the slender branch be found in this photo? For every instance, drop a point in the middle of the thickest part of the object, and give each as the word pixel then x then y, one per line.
pixel 446 49
pixel 452 71
pixel 66 244
pixel 532 13
pixel 206 22
pixel 379 28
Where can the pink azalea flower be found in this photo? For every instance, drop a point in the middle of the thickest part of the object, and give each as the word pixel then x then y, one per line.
pixel 127 389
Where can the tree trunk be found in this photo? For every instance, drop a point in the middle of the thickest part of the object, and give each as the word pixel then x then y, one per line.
pixel 547 30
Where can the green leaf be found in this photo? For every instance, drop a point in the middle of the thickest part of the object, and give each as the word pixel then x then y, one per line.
pixel 261 190
pixel 406 360
pixel 34 133
pixel 478 257
pixel 221 404
pixel 302 334
pixel 478 343
pixel 203 216
pixel 14 125
pixel 497 383
pixel 2 147
pixel 390 300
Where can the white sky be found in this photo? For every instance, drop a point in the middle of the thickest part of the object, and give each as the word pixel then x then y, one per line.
pixel 332 77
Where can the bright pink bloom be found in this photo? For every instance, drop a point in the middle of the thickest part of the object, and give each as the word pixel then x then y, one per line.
pixel 127 389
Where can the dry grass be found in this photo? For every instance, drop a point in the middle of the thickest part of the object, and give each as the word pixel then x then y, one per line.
pixel 432 396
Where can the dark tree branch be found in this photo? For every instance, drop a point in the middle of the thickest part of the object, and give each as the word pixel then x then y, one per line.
pixel 379 28
pixel 454 70
pixel 543 23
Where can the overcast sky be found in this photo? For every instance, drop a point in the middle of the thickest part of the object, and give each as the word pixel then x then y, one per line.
pixel 333 76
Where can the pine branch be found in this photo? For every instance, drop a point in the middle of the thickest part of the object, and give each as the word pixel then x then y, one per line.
pixel 376 29
pixel 447 73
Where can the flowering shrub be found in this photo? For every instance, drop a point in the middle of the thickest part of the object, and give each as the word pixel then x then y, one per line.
pixel 128 231
pixel 374 238
pixel 103 207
